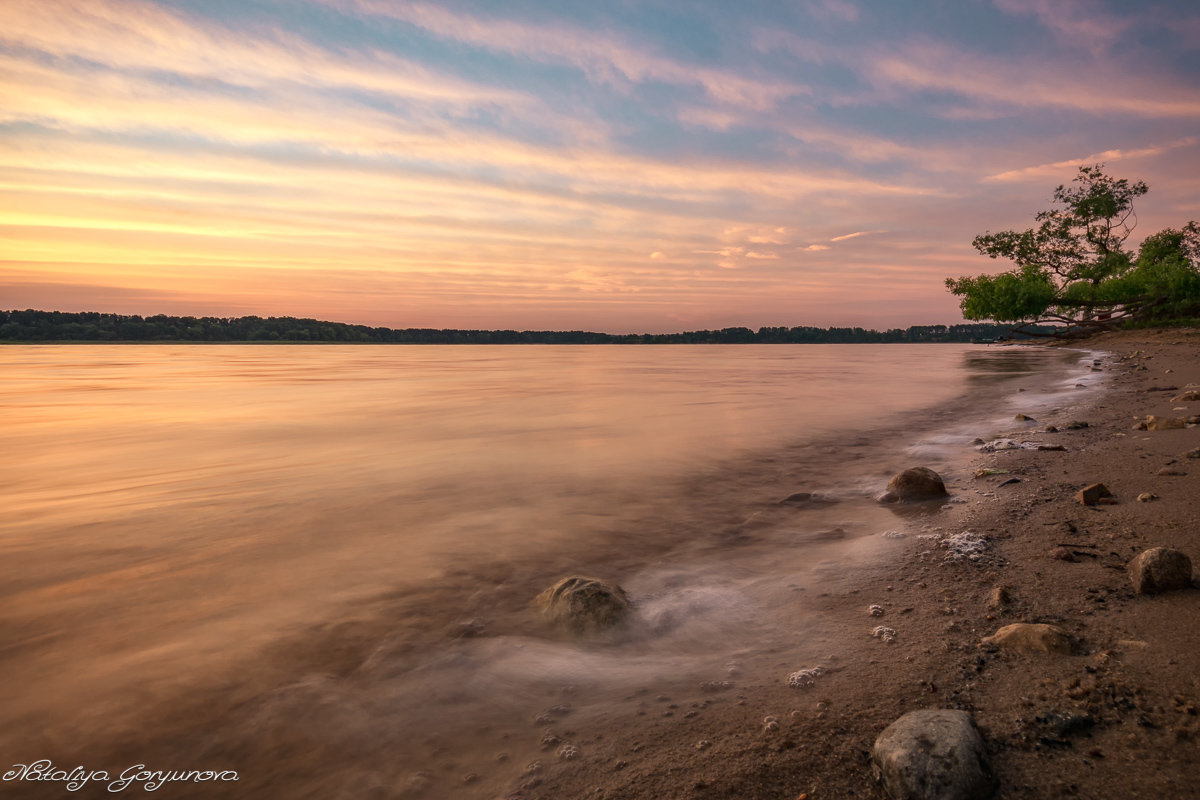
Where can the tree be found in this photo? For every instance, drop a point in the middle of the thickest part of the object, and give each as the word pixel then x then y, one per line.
pixel 1073 270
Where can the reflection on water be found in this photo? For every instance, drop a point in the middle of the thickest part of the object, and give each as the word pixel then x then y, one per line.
pixel 175 514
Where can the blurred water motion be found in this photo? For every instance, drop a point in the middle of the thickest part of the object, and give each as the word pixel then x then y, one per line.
pixel 170 512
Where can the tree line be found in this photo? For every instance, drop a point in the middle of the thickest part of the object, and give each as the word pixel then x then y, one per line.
pixel 60 326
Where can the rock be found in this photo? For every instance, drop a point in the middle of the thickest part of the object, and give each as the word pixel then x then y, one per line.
pixel 1193 453
pixel 1187 397
pixel 1024 418
pixel 999 598
pixel 1055 447
pixel 1050 429
pixel 1154 423
pixel 1171 471
pixel 1031 637
pixel 1160 569
pixel 1074 426
pixel 806 498
pixel 1091 495
pixel 582 604
pixel 1062 554
pixel 1146 497
pixel 933 754
pixel 914 485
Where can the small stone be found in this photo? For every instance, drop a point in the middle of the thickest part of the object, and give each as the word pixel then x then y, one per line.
pixel 933 754
pixel 1090 495
pixel 885 634
pixel 1193 453
pixel 1024 418
pixel 1075 425
pixel 999 598
pixel 1052 447
pixel 1154 423
pixel 568 752
pixel 1187 397
pixel 1031 637
pixel 1160 569
pixel 1050 429
pixel 914 485
pixel 1146 497
pixel 1062 554
pixel 875 610
pixel 1171 471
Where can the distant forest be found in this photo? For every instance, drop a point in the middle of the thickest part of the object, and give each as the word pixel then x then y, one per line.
pixel 58 326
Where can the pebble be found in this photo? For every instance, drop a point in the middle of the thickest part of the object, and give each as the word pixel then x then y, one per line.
pixel 1146 497
pixel 1091 495
pixel 1062 554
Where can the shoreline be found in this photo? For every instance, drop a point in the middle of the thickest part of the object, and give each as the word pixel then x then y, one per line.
pixel 1130 671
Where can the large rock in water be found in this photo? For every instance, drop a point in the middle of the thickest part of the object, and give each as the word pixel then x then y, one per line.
pixel 1160 569
pixel 581 604
pixel 934 754
pixel 914 485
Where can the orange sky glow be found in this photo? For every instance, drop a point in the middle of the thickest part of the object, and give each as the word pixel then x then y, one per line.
pixel 542 166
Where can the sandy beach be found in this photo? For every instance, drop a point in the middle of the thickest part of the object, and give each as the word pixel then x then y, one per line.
pixel 1128 687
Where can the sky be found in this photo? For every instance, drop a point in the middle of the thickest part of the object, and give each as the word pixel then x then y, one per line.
pixel 618 165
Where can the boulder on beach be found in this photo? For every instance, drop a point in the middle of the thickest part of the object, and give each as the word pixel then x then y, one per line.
pixel 933 754
pixel 1031 637
pixel 914 485
pixel 582 604
pixel 1160 569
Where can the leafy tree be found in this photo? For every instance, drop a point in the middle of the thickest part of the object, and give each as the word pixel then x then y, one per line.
pixel 1073 270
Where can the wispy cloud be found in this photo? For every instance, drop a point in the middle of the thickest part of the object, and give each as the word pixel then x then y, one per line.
pixel 601 56
pixel 1082 23
pixel 1058 167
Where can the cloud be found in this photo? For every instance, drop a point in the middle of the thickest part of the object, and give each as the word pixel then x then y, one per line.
pixel 816 248
pixel 602 56
pixel 1077 22
pixel 1095 90
pixel 1057 167
pixel 854 235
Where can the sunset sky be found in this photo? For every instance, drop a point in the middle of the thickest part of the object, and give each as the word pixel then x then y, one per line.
pixel 631 165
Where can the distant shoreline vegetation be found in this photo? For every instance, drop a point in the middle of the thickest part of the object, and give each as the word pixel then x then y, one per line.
pixel 60 326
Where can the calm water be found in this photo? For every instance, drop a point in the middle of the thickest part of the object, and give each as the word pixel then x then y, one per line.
pixel 261 530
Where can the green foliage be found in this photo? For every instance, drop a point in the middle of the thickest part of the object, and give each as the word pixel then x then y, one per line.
pixel 1072 270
